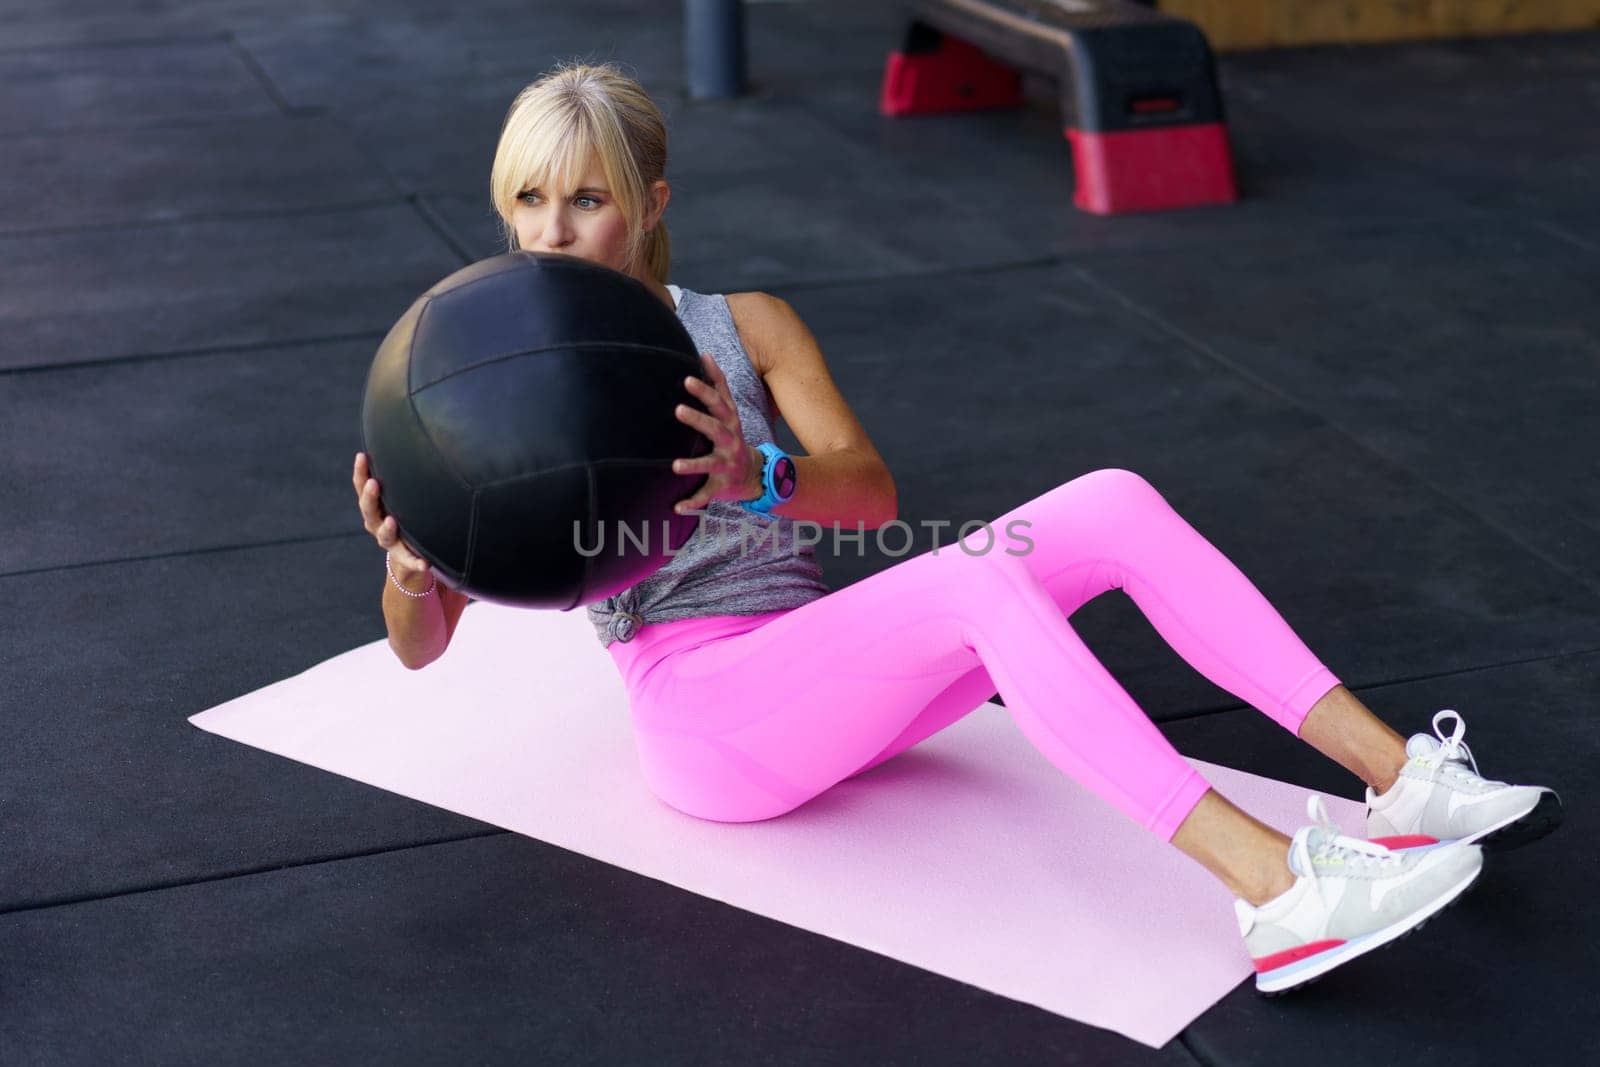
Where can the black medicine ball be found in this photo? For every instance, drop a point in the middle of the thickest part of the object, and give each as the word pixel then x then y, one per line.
pixel 523 394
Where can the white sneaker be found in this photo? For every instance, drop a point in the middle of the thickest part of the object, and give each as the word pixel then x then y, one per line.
pixel 1350 897
pixel 1440 796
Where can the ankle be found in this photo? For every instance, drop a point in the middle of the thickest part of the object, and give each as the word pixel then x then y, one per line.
pixel 1383 778
pixel 1266 874
pixel 1268 884
pixel 1246 855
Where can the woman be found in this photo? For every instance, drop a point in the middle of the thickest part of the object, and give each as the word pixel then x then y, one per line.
pixel 753 688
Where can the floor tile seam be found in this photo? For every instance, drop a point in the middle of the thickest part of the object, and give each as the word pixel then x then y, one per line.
pixel 1273 105
pixel 416 199
pixel 864 149
pixel 117 42
pixel 433 219
pixel 252 872
pixel 208 351
pixel 311 539
pixel 1283 396
pixel 452 242
pixel 1293 245
pixel 1370 686
pixel 1047 261
pixel 258 72
pixel 1441 172
pixel 406 194
pixel 453 236
pixel 396 199
pixel 861 148
pixel 1565 235
pixel 135 124
pixel 353 136
pixel 964 270
pixel 1272 111
pixel 1185 1041
pixel 202 550
pixel 248 872
pixel 319 861
pixel 1330 228
pixel 165 122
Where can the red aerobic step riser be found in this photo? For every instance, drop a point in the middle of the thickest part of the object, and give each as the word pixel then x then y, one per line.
pixel 1152 170
pixel 958 77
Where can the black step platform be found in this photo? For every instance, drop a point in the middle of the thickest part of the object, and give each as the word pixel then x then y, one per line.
pixel 1138 90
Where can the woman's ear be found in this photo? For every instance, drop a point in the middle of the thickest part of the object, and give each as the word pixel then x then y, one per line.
pixel 660 193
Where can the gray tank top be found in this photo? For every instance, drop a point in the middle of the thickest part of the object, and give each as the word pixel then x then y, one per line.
pixel 712 573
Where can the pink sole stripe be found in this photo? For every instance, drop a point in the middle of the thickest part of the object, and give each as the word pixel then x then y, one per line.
pixel 1293 955
pixel 1405 841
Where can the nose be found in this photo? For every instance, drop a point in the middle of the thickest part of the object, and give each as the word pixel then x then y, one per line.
pixel 557 232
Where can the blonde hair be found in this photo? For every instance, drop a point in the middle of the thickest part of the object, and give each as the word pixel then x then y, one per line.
pixel 553 127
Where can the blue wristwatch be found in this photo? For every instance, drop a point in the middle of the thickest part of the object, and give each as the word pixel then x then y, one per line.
pixel 777 478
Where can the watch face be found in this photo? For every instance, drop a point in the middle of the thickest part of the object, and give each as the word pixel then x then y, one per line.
pixel 783 477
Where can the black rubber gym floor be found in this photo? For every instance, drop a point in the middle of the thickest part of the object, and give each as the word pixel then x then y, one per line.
pixel 1372 383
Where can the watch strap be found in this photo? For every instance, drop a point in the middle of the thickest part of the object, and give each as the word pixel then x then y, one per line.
pixel 769 497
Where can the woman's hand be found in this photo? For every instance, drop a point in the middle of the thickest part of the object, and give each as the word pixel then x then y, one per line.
pixel 385 530
pixel 733 468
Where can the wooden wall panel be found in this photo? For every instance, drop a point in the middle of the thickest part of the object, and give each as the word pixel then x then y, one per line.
pixel 1263 23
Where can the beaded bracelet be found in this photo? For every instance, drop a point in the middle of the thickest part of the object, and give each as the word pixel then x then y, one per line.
pixel 433 583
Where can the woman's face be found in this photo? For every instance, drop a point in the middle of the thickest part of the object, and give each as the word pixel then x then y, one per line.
pixel 583 221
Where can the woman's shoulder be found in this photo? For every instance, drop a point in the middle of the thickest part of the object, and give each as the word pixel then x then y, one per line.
pixel 763 322
pixel 757 303
pixel 753 304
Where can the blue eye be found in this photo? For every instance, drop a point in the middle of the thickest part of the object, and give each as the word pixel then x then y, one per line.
pixel 590 199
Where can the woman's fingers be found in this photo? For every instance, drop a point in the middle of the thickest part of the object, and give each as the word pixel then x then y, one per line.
pixel 720 423
pixel 696 500
pixel 372 514
pixel 713 400
pixel 721 430
pixel 390 541
pixel 717 389
pixel 717 386
pixel 403 557
pixel 361 478
pixel 385 529
pixel 712 428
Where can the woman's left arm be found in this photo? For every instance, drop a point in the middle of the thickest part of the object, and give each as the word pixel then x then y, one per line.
pixel 841 478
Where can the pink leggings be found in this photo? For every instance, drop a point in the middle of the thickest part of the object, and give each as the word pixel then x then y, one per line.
pixel 741 718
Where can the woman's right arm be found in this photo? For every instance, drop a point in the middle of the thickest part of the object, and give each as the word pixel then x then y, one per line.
pixel 420 627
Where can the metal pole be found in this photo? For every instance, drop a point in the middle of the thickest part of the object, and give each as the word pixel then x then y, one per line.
pixel 713 33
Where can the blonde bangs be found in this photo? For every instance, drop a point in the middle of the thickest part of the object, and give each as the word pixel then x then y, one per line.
pixel 541 148
pixel 561 122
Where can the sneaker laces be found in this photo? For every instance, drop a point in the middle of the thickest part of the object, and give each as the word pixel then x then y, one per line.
pixel 1327 841
pixel 1452 749
pixel 1451 758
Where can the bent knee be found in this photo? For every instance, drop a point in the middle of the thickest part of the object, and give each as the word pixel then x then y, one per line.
pixel 1118 479
pixel 1117 485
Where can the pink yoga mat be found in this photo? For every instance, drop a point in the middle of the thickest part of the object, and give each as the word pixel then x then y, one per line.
pixel 970 855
